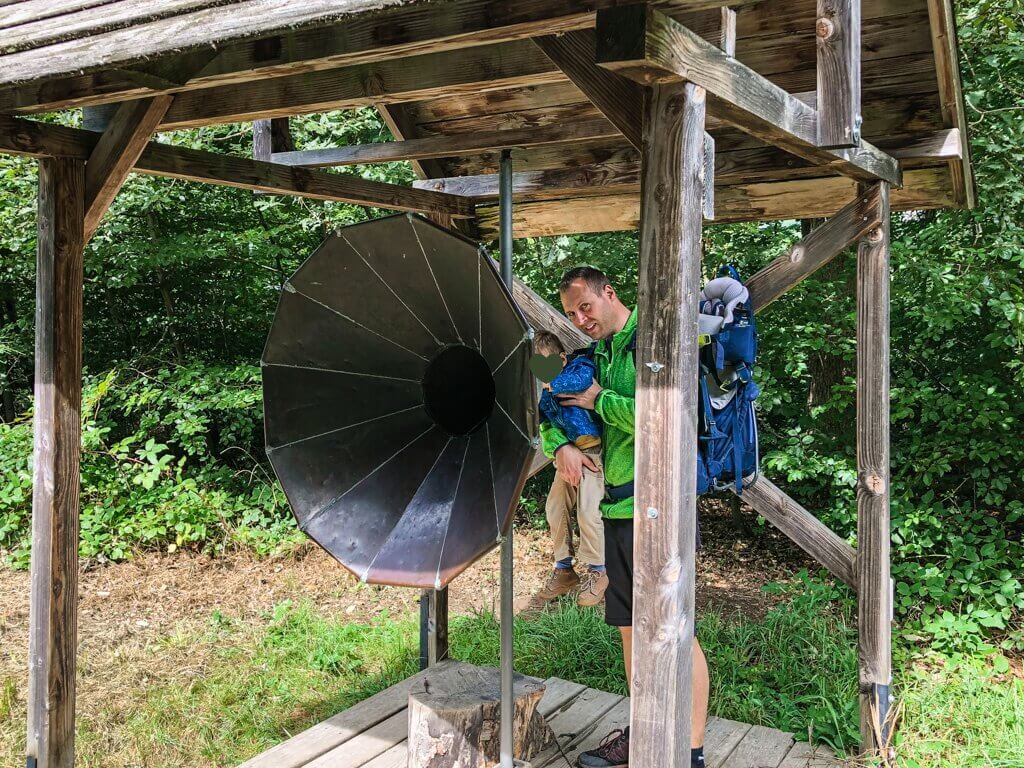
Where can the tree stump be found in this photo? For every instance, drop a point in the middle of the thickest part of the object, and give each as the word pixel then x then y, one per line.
pixel 455 716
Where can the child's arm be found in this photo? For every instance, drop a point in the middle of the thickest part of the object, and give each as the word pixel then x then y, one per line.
pixel 575 377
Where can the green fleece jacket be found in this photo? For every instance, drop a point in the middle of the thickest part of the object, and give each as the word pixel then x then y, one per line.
pixel 616 407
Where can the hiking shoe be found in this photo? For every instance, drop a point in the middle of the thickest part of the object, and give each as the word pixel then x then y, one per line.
pixel 592 589
pixel 613 752
pixel 561 582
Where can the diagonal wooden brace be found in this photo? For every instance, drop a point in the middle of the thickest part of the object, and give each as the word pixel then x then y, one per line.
pixel 817 249
pixel 803 528
pixel 114 156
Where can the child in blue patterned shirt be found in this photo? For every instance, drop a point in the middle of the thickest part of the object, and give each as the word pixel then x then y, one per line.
pixel 583 429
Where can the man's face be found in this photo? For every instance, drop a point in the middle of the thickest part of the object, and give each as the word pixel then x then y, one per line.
pixel 592 312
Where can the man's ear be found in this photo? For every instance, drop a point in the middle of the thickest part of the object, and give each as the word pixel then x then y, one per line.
pixel 609 293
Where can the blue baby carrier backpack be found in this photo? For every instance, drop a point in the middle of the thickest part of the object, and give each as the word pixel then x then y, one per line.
pixel 727 447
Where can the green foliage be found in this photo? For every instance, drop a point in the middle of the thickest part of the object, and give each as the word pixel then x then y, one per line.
pixel 168 460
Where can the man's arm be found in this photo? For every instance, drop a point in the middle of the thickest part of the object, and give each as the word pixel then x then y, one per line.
pixel 617 410
pixel 551 438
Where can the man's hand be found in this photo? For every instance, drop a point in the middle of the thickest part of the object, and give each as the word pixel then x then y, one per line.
pixel 584 399
pixel 569 463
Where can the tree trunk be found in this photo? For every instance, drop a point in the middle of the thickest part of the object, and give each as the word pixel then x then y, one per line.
pixel 454 719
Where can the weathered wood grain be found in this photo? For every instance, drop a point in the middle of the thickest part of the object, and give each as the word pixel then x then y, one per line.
pixel 405 30
pixel 942 23
pixel 803 528
pixel 270 136
pixel 838 66
pixel 924 189
pixel 619 99
pixel 341 728
pixel 19 136
pixel 447 146
pixel 815 250
pixel 56 427
pixel 116 154
pixel 761 747
pixel 666 511
pixel 71 24
pixel 874 599
pixel 431 75
pixel 437 626
pixel 649 47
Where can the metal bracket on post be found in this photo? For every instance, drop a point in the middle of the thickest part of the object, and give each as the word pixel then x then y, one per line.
pixel 507 712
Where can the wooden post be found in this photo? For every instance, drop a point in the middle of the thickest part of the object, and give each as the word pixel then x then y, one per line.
pixel 838 35
pixel 666 393
pixel 433 627
pixel 270 136
pixel 874 597
pixel 53 609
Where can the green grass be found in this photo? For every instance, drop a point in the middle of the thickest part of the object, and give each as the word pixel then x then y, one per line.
pixel 239 688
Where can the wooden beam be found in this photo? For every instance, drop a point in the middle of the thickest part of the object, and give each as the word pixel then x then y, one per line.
pixel 930 149
pixel 53 605
pixel 271 136
pixel 448 146
pixel 304 37
pixel 951 95
pixel 648 47
pixel 874 597
pixel 665 521
pixel 925 188
pixel 432 75
pixel 26 137
pixel 803 528
pixel 619 99
pixel 815 250
pixel 839 46
pixel 402 127
pixel 116 153
pixel 621 174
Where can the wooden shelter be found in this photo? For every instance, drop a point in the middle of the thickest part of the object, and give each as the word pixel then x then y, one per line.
pixel 656 116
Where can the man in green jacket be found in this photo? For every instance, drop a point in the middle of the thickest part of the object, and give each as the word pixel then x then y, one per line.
pixel 592 305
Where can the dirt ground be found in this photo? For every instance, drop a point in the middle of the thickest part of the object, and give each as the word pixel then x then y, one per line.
pixel 137 602
pixel 155 600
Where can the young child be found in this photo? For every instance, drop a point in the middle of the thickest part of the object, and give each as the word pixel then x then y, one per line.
pixel 582 428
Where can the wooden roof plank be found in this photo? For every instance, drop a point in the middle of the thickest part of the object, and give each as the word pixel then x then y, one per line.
pixel 82 23
pixel 261 18
pixel 619 99
pixel 28 11
pixel 431 75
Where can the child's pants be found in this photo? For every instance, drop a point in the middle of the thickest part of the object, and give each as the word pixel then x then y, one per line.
pixel 587 499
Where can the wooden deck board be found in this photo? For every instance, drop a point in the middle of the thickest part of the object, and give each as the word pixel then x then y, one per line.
pixel 720 739
pixel 306 746
pixel 803 755
pixel 372 734
pixel 760 748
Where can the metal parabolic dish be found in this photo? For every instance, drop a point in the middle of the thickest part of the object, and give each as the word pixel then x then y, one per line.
pixel 399 405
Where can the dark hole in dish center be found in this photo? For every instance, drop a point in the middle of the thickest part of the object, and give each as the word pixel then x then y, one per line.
pixel 458 390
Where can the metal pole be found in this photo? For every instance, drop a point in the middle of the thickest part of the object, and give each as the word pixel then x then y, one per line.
pixel 505 242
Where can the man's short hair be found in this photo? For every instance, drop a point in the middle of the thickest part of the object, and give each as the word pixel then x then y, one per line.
pixel 546 342
pixel 594 278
